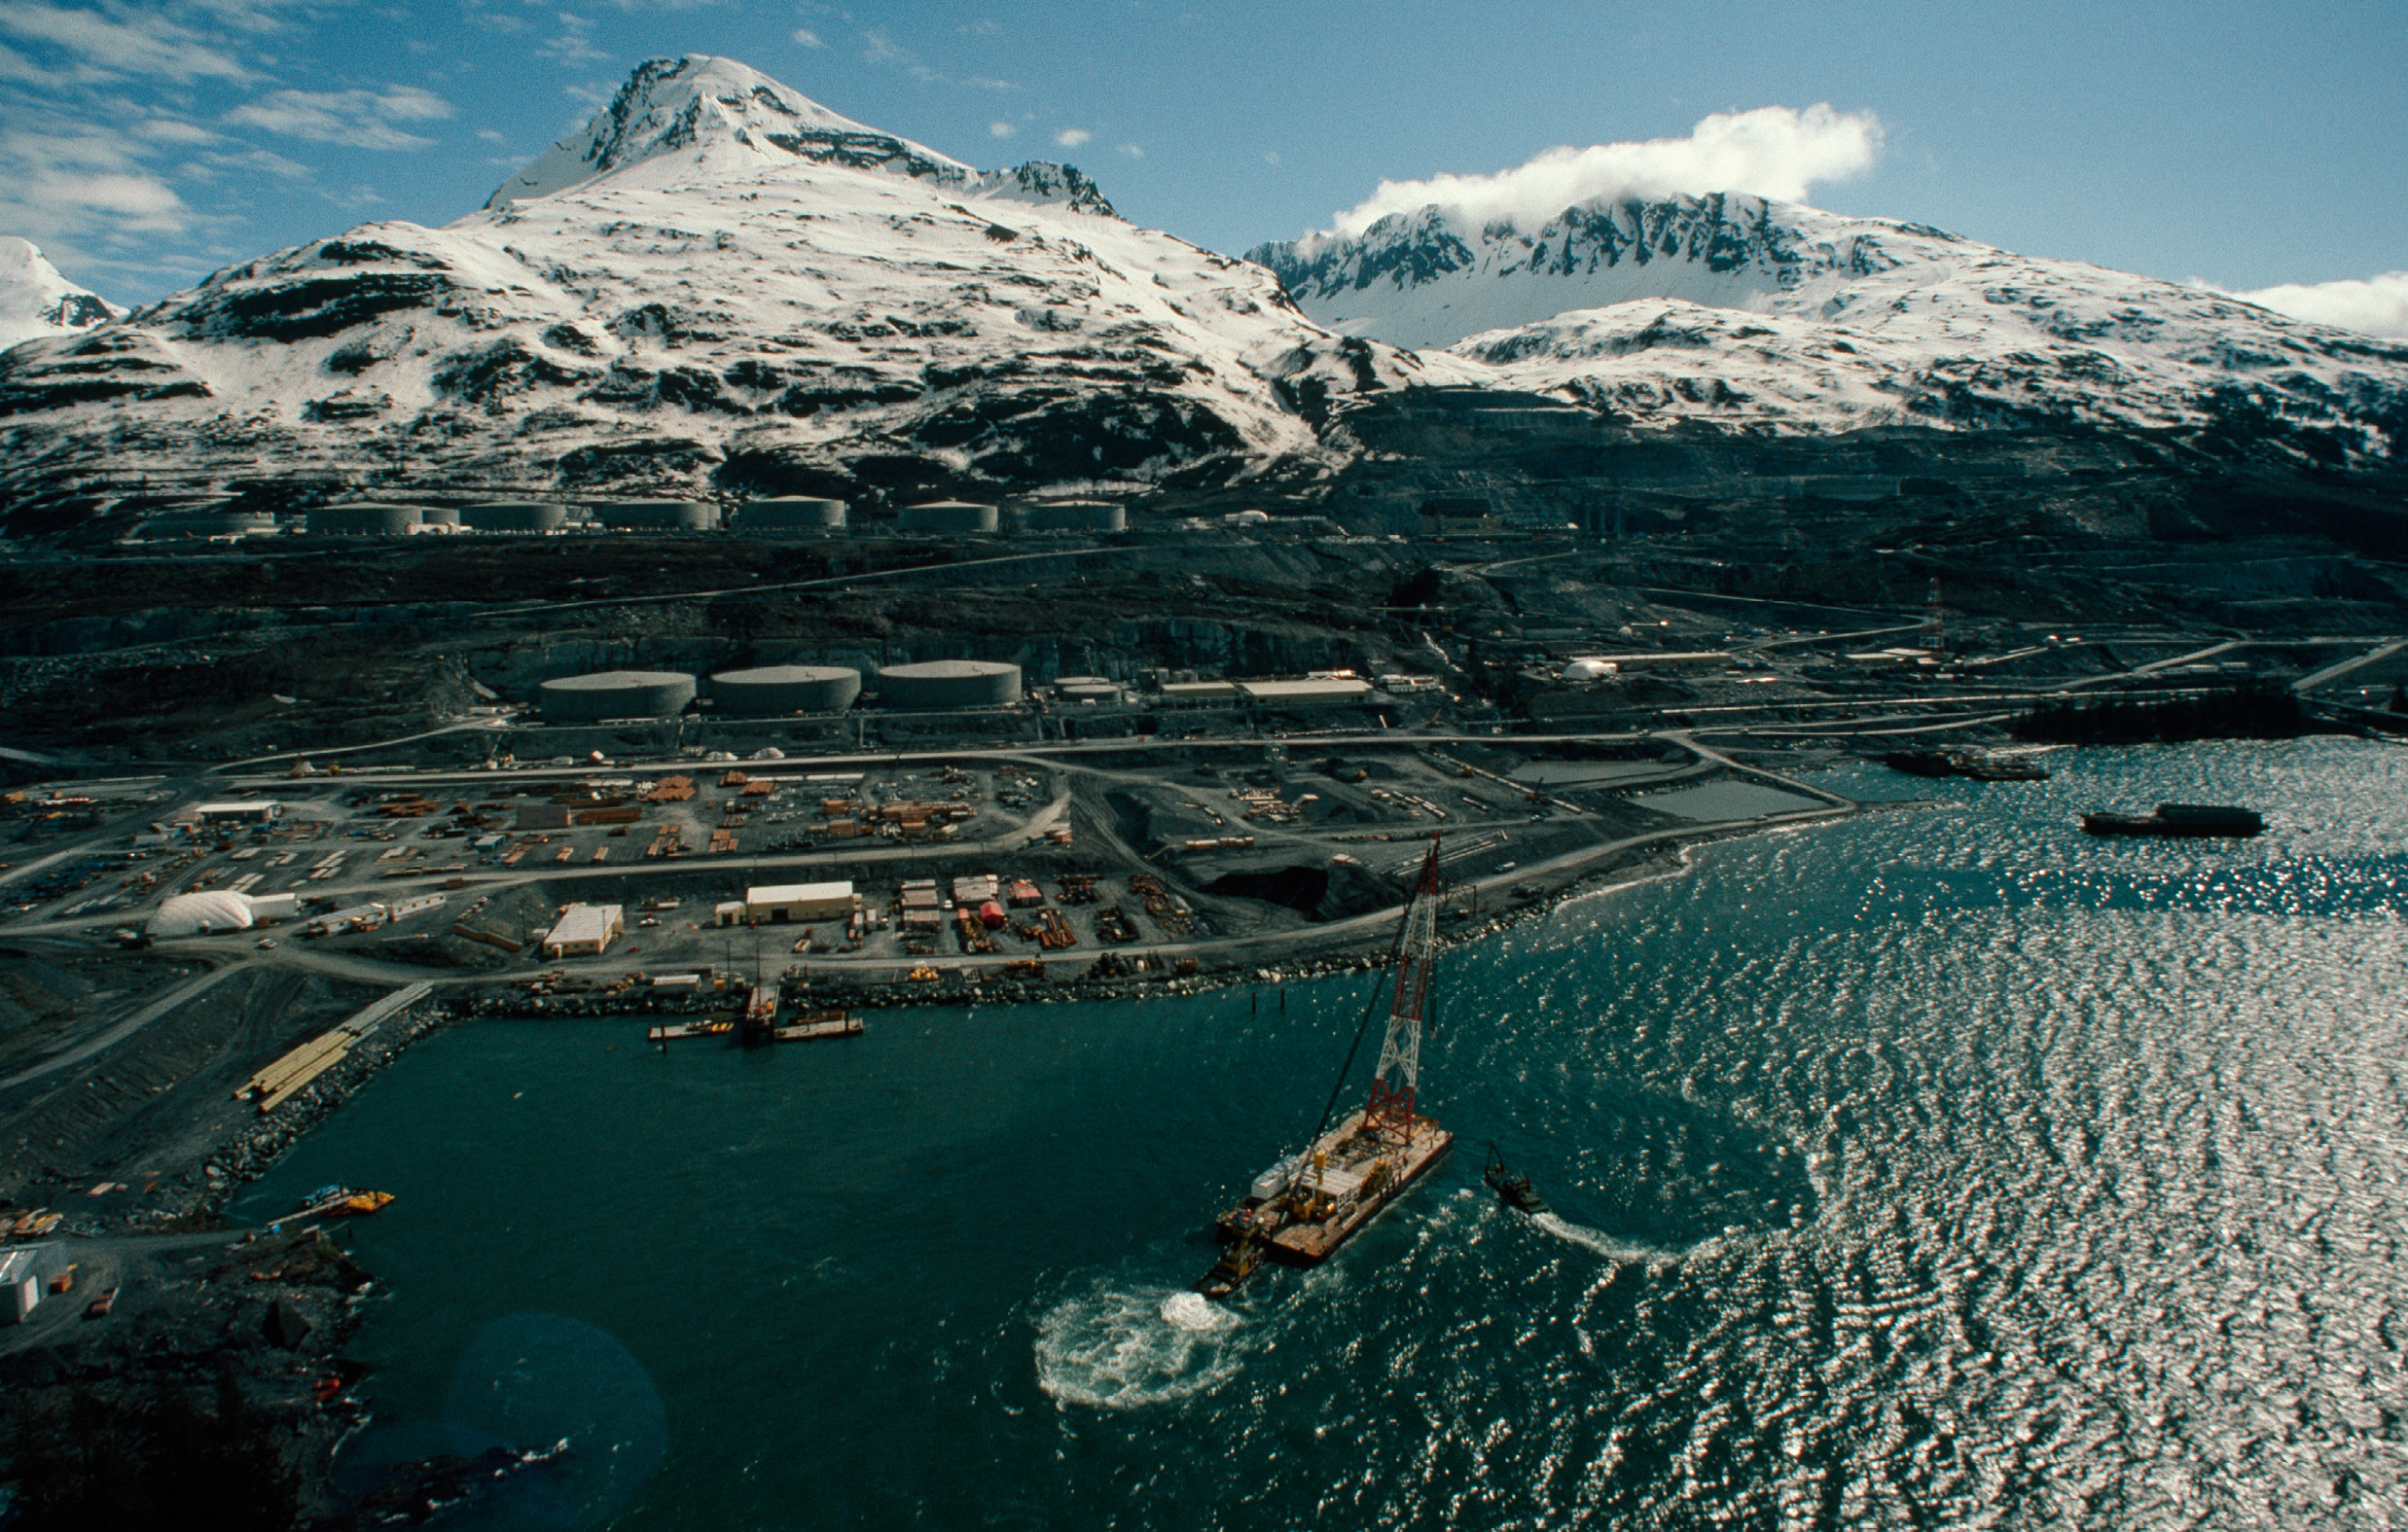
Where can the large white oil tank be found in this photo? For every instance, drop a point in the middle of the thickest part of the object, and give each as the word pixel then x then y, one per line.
pixel 961 518
pixel 942 684
pixel 773 689
pixel 515 516
pixel 1590 669
pixel 791 514
pixel 616 694
pixel 364 519
pixel 659 516
pixel 1077 516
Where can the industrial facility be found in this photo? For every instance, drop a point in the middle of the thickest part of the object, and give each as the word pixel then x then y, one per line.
pixel 774 690
pixel 791 514
pixel 585 931
pixel 960 517
pixel 659 516
pixel 365 520
pixel 614 694
pixel 943 684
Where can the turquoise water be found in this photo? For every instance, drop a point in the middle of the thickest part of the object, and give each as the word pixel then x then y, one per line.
pixel 1943 1166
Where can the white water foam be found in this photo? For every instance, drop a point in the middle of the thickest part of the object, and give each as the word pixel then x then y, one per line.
pixel 1117 1347
pixel 1605 1244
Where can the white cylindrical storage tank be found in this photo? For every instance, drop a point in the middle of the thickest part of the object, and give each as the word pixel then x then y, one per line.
pixel 947 684
pixel 440 515
pixel 616 694
pixel 659 516
pixel 515 516
pixel 1088 691
pixel 791 514
pixel 957 516
pixel 1078 515
pixel 208 523
pixel 211 910
pixel 785 689
pixel 365 520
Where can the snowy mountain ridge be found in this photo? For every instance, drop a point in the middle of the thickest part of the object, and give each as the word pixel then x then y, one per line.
pixel 1774 317
pixel 695 303
pixel 36 300
pixel 704 117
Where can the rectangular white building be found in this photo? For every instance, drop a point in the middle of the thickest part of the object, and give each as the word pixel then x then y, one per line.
pixel 585 930
pixel 790 902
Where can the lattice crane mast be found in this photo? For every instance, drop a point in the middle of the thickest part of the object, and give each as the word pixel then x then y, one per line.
pixel 1393 1085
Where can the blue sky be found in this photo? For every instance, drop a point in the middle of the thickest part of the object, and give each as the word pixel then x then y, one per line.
pixel 145 145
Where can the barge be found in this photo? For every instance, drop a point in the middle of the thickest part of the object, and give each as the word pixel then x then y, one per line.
pixel 2190 820
pixel 1303 1208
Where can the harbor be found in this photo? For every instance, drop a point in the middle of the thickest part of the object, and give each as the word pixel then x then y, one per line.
pixel 1696 1113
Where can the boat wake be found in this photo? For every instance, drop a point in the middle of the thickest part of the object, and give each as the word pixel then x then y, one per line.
pixel 1605 1244
pixel 1120 1347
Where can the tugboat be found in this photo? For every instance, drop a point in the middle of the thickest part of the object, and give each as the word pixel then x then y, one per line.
pixel 1514 1190
pixel 341 1201
pixel 1302 1209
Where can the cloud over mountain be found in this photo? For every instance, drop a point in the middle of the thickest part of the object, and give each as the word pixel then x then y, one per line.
pixel 2375 305
pixel 1774 152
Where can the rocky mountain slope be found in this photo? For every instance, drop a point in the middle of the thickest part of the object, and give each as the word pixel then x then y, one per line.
pixel 35 301
pixel 721 283
pixel 1777 318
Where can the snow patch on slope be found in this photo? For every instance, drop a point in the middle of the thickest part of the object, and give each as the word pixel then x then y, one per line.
pixel 36 300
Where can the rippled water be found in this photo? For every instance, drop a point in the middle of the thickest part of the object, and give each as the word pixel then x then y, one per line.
pixel 1941 1167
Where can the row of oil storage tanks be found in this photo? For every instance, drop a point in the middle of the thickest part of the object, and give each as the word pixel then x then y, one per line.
pixel 783 515
pixel 774 690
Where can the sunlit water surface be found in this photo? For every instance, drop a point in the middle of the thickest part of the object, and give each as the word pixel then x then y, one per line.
pixel 1940 1168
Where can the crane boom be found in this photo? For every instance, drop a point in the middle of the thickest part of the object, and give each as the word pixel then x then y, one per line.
pixel 1399 1075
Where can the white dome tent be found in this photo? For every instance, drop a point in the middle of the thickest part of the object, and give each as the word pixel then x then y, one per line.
pixel 205 913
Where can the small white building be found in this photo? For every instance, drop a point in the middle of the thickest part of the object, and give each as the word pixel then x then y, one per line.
pixel 792 901
pixel 728 913
pixel 259 811
pixel 585 930
pixel 25 1272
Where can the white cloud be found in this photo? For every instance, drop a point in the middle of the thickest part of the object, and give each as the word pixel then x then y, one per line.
pixel 575 44
pixel 1773 151
pixel 173 130
pixel 1072 137
pixel 805 37
pixel 154 46
pixel 1271 156
pixel 1133 151
pixel 1002 130
pixel 2375 305
pixel 489 135
pixel 355 119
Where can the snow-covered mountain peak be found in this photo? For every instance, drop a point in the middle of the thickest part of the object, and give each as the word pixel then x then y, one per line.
pixel 723 119
pixel 36 300
pixel 1433 276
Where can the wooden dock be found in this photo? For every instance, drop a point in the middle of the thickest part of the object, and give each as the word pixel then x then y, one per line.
pixel 818 1025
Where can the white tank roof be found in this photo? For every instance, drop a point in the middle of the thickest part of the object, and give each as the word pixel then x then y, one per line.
pixel 211 909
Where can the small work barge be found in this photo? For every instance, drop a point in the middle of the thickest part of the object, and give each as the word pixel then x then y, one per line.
pixel 1301 1210
pixel 2190 820
pixel 759 1025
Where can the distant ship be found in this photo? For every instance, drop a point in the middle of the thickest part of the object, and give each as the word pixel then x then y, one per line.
pixel 2178 819
pixel 1980 765
pixel 1301 1210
